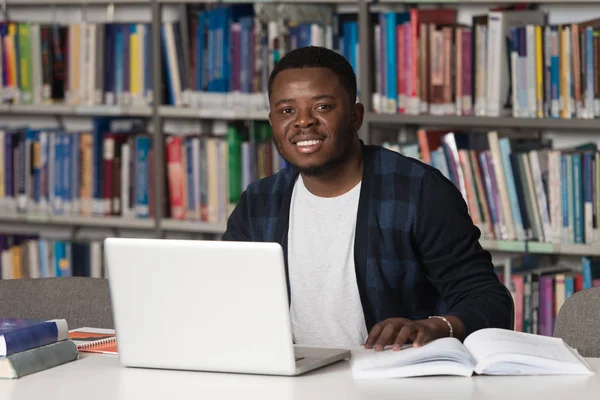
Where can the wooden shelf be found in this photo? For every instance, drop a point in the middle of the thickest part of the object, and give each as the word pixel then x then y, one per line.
pixel 73 2
pixel 66 110
pixel 107 222
pixel 484 122
pixel 541 248
pixel 218 114
pixel 188 226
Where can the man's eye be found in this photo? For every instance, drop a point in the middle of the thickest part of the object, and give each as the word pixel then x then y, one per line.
pixel 286 110
pixel 323 106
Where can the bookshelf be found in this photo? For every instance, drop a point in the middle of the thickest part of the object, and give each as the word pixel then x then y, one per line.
pixel 159 113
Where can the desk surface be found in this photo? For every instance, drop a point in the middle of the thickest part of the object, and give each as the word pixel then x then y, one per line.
pixel 102 377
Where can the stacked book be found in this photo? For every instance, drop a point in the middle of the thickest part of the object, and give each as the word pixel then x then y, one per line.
pixel 32 345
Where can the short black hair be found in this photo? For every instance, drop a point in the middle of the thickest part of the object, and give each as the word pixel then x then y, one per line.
pixel 318 57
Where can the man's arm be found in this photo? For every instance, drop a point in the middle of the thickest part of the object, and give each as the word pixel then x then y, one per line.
pixel 237 224
pixel 463 273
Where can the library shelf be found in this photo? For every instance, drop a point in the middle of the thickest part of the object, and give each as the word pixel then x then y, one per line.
pixel 66 110
pixel 191 226
pixel 462 2
pixel 540 248
pixel 484 122
pixel 218 114
pixel 108 222
pixel 412 2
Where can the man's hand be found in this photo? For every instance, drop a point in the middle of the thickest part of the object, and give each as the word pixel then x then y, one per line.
pixel 397 331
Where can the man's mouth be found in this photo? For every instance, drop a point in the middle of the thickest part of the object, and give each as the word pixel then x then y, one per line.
pixel 308 146
pixel 305 143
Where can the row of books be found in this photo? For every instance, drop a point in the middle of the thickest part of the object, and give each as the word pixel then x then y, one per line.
pixel 222 59
pixel 424 61
pixel 507 62
pixel 109 171
pixel 518 188
pixel 226 56
pixel 206 174
pixel 79 64
pixel 106 171
pixel 540 289
pixel 31 256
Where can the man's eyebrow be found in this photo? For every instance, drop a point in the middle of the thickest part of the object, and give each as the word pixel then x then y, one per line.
pixel 318 97
pixel 323 96
pixel 284 101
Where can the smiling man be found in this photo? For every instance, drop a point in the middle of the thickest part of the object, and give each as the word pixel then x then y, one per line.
pixel 379 248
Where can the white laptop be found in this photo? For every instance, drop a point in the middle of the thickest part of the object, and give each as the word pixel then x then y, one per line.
pixel 205 306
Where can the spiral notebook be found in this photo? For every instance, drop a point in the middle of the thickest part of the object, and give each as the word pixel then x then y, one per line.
pixel 94 340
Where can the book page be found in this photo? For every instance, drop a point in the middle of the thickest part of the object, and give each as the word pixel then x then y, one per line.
pixel 448 350
pixel 505 346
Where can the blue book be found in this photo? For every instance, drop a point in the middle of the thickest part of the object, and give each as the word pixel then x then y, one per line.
pixel 142 185
pixel 555 72
pixel 21 334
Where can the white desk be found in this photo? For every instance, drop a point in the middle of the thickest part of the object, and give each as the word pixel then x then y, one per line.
pixel 101 377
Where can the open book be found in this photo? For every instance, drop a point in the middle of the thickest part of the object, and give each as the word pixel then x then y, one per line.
pixel 485 352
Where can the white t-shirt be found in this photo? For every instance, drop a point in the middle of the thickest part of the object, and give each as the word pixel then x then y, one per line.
pixel 325 302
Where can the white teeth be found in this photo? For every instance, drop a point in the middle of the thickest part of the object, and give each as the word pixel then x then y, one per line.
pixel 308 142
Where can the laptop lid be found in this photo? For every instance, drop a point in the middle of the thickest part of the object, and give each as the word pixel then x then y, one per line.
pixel 200 305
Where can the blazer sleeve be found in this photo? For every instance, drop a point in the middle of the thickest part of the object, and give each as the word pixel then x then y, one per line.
pixel 238 226
pixel 456 264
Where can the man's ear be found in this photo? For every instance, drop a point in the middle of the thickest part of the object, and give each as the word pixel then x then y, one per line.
pixel 358 113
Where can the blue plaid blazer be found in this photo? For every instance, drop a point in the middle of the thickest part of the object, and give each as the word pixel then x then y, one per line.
pixel 416 250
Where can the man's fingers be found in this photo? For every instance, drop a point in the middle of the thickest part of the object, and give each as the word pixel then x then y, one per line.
pixel 386 337
pixel 421 339
pixel 407 331
pixel 373 335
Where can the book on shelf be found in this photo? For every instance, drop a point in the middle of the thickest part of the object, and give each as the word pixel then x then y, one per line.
pixel 30 345
pixel 507 61
pixel 31 257
pixel 488 351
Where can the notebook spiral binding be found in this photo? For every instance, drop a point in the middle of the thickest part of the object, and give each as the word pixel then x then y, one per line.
pixel 96 343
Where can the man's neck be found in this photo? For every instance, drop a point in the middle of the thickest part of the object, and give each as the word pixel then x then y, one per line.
pixel 339 181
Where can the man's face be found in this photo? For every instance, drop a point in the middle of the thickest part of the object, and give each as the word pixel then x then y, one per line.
pixel 314 122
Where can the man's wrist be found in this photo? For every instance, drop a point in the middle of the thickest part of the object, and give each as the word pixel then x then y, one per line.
pixel 457 325
pixel 441 328
pixel 448 324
